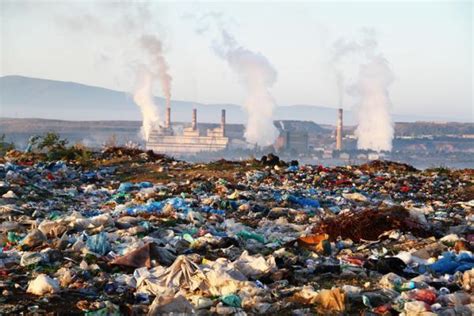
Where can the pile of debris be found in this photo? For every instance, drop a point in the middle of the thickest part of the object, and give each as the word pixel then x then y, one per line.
pixel 369 224
pixel 133 232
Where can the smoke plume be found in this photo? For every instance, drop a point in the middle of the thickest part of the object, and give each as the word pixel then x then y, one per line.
pixel 143 97
pixel 374 124
pixel 158 65
pixel 341 49
pixel 257 76
pixel 375 128
pixel 340 88
pixel 136 22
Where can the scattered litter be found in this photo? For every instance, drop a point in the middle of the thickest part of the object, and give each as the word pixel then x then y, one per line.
pixel 144 233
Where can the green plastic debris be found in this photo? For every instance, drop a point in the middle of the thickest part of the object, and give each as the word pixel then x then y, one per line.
pixel 54 215
pixel 121 197
pixel 327 247
pixel 13 237
pixel 231 300
pixel 188 238
pixel 248 235
pixel 110 309
pixel 222 181
pixel 145 225
pixel 191 231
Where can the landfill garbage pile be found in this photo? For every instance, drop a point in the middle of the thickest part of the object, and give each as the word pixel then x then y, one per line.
pixel 132 232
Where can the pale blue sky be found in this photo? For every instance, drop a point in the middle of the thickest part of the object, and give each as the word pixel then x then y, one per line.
pixel 428 45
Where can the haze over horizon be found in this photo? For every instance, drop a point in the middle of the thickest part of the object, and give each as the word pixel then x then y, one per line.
pixel 26 97
pixel 428 47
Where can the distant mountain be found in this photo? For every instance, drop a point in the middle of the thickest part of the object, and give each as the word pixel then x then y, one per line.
pixel 24 97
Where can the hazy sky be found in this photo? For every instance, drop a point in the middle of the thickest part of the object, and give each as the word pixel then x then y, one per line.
pixel 428 45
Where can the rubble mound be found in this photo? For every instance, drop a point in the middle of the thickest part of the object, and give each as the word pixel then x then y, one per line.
pixel 121 152
pixel 369 224
pixel 387 166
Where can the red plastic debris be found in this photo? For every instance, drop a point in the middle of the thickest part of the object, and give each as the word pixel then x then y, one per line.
pixel 405 189
pixel 343 182
pixel 427 296
pixel 383 309
pixel 354 261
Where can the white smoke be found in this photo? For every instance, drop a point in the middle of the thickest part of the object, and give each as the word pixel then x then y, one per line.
pixel 374 124
pixel 340 88
pixel 258 76
pixel 341 49
pixel 375 128
pixel 143 97
pixel 137 23
pixel 158 65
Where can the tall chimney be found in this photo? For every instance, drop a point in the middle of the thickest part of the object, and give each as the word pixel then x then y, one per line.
pixel 223 122
pixel 168 115
pixel 194 121
pixel 339 130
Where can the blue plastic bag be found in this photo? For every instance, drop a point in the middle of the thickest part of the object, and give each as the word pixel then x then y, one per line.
pixel 178 203
pixel 208 209
pixel 125 187
pixel 154 207
pixel 292 169
pixel 98 243
pixel 305 202
pixel 450 263
pixel 145 184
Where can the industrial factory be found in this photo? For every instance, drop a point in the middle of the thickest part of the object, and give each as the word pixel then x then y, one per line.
pixel 179 140
pixel 191 141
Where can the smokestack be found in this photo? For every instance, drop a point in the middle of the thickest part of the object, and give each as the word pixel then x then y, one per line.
pixel 223 122
pixel 194 121
pixel 168 116
pixel 339 130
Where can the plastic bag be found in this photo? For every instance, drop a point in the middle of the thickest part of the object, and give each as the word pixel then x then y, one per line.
pixel 248 235
pixel 450 263
pixel 305 202
pixel 169 304
pixel 232 300
pixel 254 266
pixel 98 243
pixel 333 300
pixel 42 285
pixel 125 187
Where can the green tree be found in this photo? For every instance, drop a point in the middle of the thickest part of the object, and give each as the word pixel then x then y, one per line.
pixel 50 142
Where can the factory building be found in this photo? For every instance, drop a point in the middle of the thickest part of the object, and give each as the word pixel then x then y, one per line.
pixel 291 139
pixel 192 140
